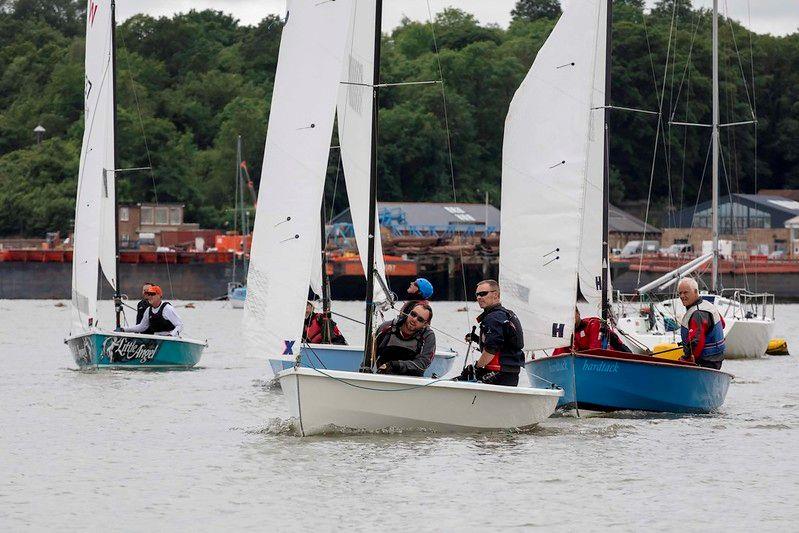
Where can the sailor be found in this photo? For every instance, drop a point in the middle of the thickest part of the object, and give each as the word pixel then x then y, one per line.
pixel 420 290
pixel 406 345
pixel 320 328
pixel 701 328
pixel 143 304
pixel 160 318
pixel 501 340
pixel 588 335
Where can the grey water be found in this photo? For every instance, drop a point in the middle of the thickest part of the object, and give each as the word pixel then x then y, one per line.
pixel 212 449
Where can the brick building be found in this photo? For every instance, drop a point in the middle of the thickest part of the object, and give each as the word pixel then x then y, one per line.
pixel 144 225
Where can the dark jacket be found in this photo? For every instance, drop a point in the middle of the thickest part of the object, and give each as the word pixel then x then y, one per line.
pixel 405 357
pixel 141 308
pixel 501 334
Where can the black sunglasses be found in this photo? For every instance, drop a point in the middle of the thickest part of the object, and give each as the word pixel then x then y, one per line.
pixel 482 294
pixel 417 316
pixel 150 293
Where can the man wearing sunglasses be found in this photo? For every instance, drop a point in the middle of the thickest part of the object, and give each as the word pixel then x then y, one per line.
pixel 160 318
pixel 406 345
pixel 501 340
pixel 143 304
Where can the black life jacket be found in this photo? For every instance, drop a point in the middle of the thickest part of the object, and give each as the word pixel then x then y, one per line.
pixel 392 347
pixel 511 357
pixel 158 323
pixel 141 308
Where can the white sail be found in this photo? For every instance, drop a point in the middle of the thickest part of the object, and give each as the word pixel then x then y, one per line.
pixel 590 272
pixel 545 163
pixel 286 230
pixel 95 174
pixel 355 127
pixel 316 267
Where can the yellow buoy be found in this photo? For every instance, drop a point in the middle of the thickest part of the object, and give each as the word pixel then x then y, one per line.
pixel 777 347
pixel 667 350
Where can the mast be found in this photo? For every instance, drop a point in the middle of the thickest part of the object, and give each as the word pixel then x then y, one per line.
pixel 117 289
pixel 325 280
pixel 606 166
pixel 715 200
pixel 370 278
pixel 244 225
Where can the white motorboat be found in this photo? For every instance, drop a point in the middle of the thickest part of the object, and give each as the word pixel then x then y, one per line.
pixel 325 401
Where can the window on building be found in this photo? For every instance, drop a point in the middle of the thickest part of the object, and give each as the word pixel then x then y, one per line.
pixel 162 216
pixel 175 217
pixel 125 239
pixel 124 214
pixel 146 216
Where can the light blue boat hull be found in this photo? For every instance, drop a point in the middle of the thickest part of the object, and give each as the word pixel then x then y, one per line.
pixel 608 381
pixel 135 351
pixel 338 357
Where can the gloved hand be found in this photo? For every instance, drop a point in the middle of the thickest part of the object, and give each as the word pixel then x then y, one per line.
pixel 472 337
pixel 466 375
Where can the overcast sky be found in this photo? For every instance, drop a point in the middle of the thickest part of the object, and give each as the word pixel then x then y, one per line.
pixel 778 17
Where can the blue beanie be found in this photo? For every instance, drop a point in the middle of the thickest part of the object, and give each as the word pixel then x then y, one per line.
pixel 425 288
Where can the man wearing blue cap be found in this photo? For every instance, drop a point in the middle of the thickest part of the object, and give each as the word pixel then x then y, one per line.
pixel 419 291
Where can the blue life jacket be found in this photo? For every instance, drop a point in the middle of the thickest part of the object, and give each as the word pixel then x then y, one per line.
pixel 714 339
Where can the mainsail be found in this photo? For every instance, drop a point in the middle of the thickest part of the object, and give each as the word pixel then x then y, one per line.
pixel 546 162
pixel 286 229
pixel 354 112
pixel 94 235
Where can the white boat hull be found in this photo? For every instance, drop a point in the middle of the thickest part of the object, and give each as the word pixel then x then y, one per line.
pixel 330 401
pixel 747 339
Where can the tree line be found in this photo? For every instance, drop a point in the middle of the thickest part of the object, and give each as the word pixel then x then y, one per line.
pixel 190 83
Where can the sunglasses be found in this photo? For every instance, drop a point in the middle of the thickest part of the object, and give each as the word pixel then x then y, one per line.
pixel 417 317
pixel 150 293
pixel 483 294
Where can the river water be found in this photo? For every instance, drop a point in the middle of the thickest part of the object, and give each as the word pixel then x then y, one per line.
pixel 212 448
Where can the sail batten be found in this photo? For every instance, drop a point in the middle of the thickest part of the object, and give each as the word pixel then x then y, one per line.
pixel 549 176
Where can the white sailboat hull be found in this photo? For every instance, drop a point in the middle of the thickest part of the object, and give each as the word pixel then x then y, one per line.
pixel 748 338
pixel 327 401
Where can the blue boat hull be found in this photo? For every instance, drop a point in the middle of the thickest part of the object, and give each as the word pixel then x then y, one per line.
pixel 609 381
pixel 132 350
pixel 338 357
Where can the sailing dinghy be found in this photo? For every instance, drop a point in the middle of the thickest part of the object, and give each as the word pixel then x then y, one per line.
pixel 95 235
pixel 554 148
pixel 285 241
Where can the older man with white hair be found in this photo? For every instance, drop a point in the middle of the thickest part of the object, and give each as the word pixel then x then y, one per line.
pixel 702 327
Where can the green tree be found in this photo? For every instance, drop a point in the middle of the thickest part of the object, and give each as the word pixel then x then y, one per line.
pixel 530 10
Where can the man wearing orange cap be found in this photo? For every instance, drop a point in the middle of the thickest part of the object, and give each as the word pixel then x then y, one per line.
pixel 160 318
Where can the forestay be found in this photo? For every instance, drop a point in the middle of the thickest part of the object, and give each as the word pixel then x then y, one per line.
pixel 545 166
pixel 285 236
pixel 355 127
pixel 94 235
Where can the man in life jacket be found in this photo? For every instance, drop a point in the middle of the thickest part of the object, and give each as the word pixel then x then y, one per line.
pixel 160 318
pixel 501 340
pixel 406 345
pixel 588 335
pixel 701 328
pixel 420 290
pixel 143 304
pixel 320 328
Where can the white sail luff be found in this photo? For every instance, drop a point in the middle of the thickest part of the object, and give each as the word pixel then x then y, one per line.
pixel 286 229
pixel 545 162
pixel 97 156
pixel 354 111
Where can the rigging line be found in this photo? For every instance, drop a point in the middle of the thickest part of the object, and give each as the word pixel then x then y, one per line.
pixel 733 226
pixel 701 182
pixel 740 63
pixel 685 146
pixel 657 137
pixel 688 64
pixel 449 146
pixel 149 156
